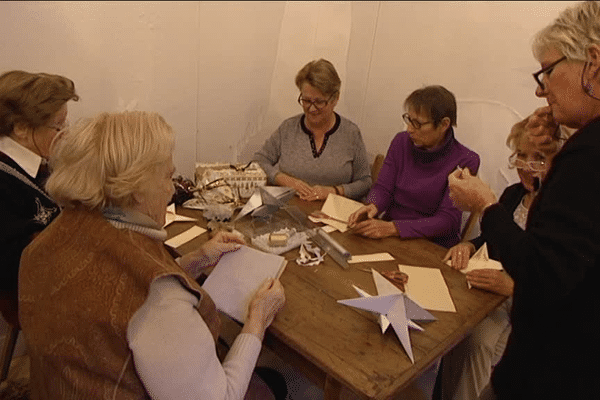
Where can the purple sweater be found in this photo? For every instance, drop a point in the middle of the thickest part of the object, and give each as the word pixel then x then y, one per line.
pixel 412 188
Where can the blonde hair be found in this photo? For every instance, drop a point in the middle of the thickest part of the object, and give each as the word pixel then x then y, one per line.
pixel 32 99
pixel 572 33
pixel 101 162
pixel 320 74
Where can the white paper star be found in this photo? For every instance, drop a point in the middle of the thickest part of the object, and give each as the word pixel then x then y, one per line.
pixel 393 307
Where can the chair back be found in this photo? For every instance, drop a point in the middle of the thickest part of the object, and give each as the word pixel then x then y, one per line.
pixel 376 166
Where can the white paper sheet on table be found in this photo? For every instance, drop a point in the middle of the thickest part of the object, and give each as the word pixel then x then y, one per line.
pixel 427 287
pixel 185 237
pixel 172 216
pixel 370 258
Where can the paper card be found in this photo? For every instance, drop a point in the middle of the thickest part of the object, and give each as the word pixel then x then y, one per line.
pixel 185 237
pixel 339 207
pixel 370 258
pixel 329 228
pixel 427 287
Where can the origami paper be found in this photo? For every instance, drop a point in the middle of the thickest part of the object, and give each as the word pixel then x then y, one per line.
pixel 393 307
pixel 266 200
pixel 339 208
pixel 480 260
pixel 172 216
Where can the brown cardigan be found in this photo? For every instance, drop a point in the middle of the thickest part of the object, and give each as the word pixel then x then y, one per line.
pixel 80 282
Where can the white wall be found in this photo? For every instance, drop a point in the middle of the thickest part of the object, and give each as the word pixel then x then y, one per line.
pixel 222 73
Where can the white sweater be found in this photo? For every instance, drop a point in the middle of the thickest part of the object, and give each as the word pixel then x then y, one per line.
pixel 174 352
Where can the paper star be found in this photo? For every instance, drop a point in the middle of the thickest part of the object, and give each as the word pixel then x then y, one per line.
pixel 266 200
pixel 394 307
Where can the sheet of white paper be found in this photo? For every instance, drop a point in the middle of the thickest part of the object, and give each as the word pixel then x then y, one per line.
pixel 426 286
pixel 339 207
pixel 481 260
pixel 172 216
pixel 237 276
pixel 185 237
pixel 329 228
pixel 370 258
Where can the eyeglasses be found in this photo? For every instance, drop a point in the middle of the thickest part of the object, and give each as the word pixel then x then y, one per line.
pixel 536 166
pixel 416 124
pixel 318 103
pixel 547 71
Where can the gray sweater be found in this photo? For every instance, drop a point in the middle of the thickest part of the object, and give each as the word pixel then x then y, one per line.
pixel 343 160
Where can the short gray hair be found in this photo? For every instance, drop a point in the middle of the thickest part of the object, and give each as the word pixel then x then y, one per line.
pixel 101 162
pixel 572 33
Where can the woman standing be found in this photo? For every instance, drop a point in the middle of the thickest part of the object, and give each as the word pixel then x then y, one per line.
pixel 555 263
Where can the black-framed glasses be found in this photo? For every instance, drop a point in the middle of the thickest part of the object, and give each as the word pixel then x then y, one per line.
pixel 546 70
pixel 318 103
pixel 416 124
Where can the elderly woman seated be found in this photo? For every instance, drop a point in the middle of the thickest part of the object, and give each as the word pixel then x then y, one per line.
pixel 317 152
pixel 412 187
pixel 105 309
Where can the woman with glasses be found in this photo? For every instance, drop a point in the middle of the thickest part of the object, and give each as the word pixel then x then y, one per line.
pixel 467 368
pixel 33 109
pixel 412 187
pixel 317 152
pixel 552 349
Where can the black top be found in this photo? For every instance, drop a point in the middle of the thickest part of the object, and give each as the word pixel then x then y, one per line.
pixel 26 209
pixel 510 198
pixel 552 351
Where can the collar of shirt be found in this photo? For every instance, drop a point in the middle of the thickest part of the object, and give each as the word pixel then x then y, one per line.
pixel 27 159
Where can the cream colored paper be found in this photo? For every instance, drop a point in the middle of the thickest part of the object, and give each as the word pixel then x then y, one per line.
pixel 172 216
pixel 370 258
pixel 185 237
pixel 339 207
pixel 428 288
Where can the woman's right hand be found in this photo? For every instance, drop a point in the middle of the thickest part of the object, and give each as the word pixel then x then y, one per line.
pixel 302 188
pixel 363 213
pixel 542 129
pixel 460 255
pixel 269 299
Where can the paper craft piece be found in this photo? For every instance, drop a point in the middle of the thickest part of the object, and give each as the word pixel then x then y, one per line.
pixel 185 237
pixel 339 207
pixel 427 287
pixel 394 307
pixel 237 276
pixel 370 258
pixel 480 260
pixel 172 216
pixel 266 200
pixel 328 228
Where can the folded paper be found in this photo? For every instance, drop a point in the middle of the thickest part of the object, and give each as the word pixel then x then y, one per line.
pixel 393 307
pixel 266 200
pixel 172 216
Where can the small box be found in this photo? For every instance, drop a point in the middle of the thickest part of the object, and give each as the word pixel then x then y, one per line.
pixel 278 239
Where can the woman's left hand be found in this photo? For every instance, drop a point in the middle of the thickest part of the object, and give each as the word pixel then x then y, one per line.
pixel 468 192
pixel 318 192
pixel 375 228
pixel 209 254
pixel 492 280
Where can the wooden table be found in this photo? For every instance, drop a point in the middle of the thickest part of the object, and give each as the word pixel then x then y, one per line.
pixel 339 346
